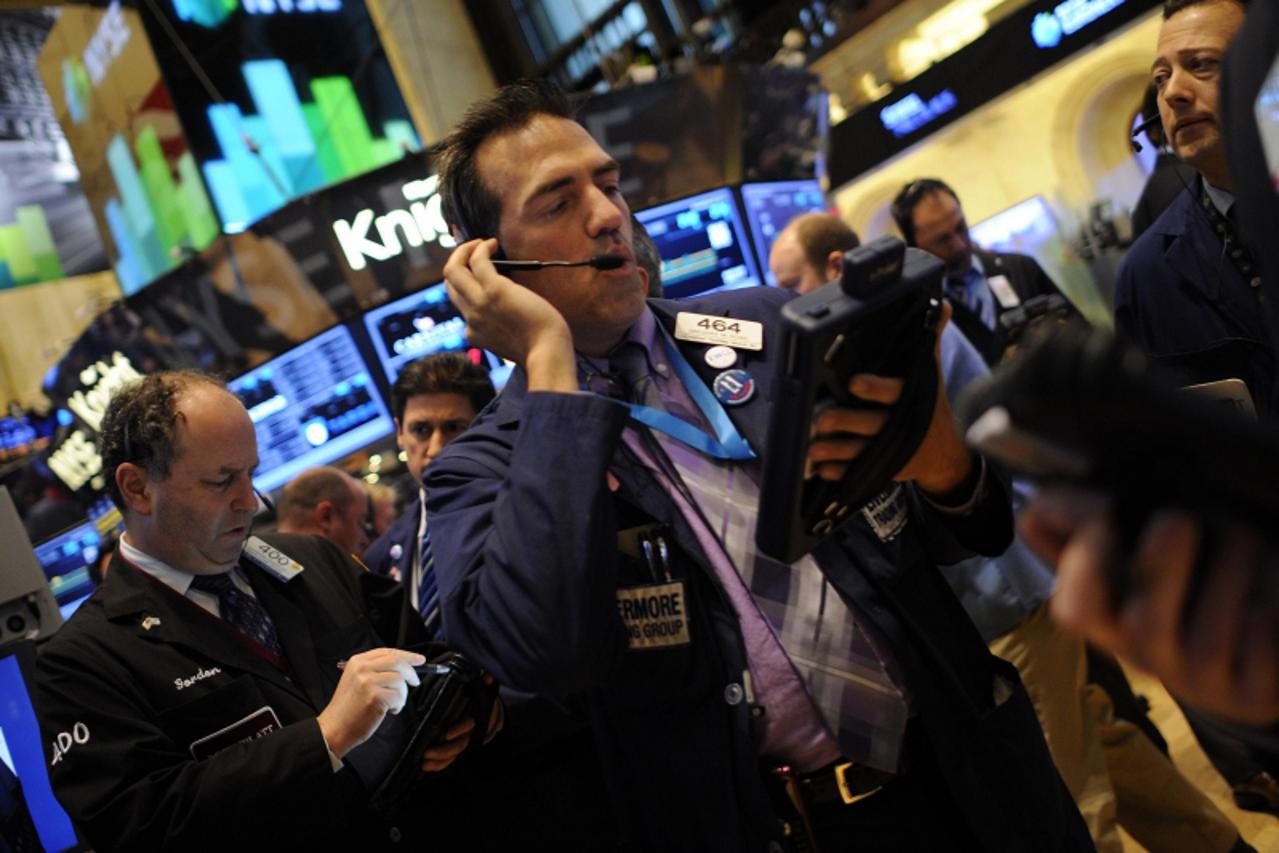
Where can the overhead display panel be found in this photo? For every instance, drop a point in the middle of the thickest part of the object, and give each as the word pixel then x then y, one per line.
pixel 279 98
pixel 137 171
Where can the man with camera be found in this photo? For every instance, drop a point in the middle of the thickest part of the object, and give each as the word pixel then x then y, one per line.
pixel 740 703
pixel 219 690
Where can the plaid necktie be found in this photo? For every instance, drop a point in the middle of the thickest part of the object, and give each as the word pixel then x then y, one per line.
pixel 240 610
pixel 428 596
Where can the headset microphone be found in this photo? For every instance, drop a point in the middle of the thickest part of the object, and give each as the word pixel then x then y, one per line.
pixel 1142 128
pixel 610 261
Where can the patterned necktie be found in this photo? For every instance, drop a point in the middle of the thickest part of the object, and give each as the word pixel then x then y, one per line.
pixel 240 610
pixel 428 596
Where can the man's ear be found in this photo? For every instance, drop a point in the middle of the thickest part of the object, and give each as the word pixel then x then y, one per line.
pixel 324 514
pixel 135 487
pixel 399 429
pixel 834 265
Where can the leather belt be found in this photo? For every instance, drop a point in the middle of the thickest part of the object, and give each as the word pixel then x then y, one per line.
pixel 842 782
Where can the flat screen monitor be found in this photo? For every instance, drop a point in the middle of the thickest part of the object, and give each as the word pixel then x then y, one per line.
pixel 770 207
pixel 22 763
pixel 1025 227
pixel 66 558
pixel 702 243
pixel 421 324
pixel 311 406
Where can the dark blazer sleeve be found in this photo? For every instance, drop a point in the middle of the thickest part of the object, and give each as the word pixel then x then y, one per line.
pixel 525 543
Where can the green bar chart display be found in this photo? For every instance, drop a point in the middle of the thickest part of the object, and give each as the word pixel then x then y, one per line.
pixel 308 98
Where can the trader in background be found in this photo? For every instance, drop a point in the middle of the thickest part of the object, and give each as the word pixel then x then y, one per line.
pixel 1188 292
pixel 326 502
pixel 981 286
pixel 433 401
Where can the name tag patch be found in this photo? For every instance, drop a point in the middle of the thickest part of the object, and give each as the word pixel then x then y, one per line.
pixel 655 615
pixel 887 512
pixel 1003 290
pixel 271 559
pixel 260 723
pixel 720 331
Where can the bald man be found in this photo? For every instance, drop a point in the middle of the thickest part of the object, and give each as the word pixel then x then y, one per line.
pixel 326 502
pixel 810 251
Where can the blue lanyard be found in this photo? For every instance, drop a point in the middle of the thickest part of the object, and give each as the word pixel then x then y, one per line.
pixel 728 443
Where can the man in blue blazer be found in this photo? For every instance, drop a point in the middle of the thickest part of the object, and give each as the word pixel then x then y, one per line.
pixel 1188 291
pixel 433 401
pixel 587 556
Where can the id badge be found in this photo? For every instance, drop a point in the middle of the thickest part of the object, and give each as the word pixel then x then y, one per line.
pixel 260 723
pixel 655 615
pixel 1003 290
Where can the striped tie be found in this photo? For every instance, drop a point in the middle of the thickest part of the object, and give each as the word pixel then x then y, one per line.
pixel 428 596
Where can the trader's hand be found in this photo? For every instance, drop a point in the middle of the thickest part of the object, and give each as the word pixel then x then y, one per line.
pixel 1218 650
pixel 510 319
pixel 446 750
pixel 941 463
pixel 373 684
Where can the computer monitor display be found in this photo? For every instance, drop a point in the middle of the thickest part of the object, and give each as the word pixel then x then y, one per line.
pixel 1025 227
pixel 23 776
pixel 770 207
pixel 310 406
pixel 421 324
pixel 66 559
pixel 702 244
pixel 416 325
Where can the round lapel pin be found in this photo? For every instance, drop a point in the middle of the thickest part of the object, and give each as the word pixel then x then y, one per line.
pixel 734 387
pixel 721 357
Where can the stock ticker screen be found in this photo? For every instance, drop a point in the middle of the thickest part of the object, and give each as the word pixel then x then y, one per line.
pixel 311 406
pixel 770 207
pixel 422 324
pixel 702 243
pixel 65 559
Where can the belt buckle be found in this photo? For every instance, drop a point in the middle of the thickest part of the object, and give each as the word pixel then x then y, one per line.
pixel 841 779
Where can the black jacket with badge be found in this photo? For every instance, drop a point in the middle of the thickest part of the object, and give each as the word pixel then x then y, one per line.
pixel 1027 279
pixel 145 681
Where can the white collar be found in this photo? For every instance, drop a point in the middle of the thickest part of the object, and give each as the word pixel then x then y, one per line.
pixel 1223 200
pixel 176 579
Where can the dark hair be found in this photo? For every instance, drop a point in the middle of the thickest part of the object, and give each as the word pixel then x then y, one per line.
pixel 467 203
pixel 647 257
pixel 1172 7
pixel 819 234
pixel 909 198
pixel 441 373
pixel 141 422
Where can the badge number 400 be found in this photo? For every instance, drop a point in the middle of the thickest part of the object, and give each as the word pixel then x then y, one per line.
pixel 63 742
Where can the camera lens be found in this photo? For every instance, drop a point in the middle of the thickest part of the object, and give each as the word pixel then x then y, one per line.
pixel 16 623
